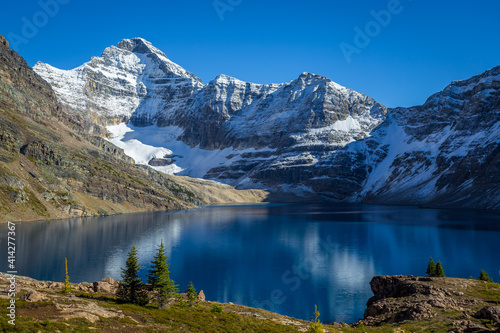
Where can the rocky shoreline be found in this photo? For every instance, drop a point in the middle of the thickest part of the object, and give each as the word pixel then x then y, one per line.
pixel 400 303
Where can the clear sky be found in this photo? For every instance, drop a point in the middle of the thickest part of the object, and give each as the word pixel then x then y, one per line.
pixel 398 52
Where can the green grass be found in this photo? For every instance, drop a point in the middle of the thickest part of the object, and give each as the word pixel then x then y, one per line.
pixel 488 291
pixel 150 319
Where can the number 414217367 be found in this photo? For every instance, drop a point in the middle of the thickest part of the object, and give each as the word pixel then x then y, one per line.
pixel 11 250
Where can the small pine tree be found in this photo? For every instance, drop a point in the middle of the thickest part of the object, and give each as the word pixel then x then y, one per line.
pixel 159 278
pixel 131 288
pixel 191 294
pixel 316 325
pixel 431 268
pixel 67 285
pixel 483 276
pixel 439 270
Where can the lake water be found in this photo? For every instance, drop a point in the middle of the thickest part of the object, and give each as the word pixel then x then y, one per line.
pixel 284 258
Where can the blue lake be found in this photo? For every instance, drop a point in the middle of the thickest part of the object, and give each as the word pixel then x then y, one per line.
pixel 284 258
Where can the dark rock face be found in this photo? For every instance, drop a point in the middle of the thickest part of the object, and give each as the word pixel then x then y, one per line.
pixel 491 313
pixel 405 298
pixel 449 149
pixel 160 161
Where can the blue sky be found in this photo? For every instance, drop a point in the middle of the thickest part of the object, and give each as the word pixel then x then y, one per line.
pixel 410 48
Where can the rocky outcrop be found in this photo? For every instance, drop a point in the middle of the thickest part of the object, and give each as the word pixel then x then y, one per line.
pixel 4 42
pixel 400 299
pixel 34 296
pixel 107 286
pixel 491 313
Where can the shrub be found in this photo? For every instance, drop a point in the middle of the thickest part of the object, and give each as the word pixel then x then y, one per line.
pixel 191 295
pixel 66 284
pixel 216 308
pixel 316 326
pixel 483 276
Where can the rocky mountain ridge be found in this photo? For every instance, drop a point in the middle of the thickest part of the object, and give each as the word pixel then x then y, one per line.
pixel 309 137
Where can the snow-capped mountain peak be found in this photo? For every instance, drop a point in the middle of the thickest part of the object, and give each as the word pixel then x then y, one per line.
pixel 310 136
pixel 132 78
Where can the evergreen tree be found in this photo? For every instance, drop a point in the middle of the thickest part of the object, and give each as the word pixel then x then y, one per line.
pixel 131 288
pixel 159 278
pixel 67 285
pixel 483 276
pixel 439 270
pixel 431 268
pixel 191 294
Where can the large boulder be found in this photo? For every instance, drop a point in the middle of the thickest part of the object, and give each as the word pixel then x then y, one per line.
pixel 489 313
pixel 104 287
pixel 33 296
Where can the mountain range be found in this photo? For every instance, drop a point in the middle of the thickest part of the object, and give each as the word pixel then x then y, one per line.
pixel 307 139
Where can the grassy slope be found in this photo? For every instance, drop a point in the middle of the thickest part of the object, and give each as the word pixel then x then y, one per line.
pixel 216 193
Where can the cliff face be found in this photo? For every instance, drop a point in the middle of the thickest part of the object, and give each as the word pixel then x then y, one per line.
pixel 50 167
pixel 445 152
pixel 434 304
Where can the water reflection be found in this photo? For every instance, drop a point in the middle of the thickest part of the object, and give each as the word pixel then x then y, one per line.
pixel 285 258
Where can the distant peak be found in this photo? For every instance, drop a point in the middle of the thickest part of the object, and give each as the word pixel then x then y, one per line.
pixel 138 45
pixel 307 75
pixel 224 77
